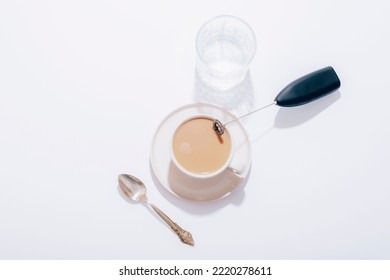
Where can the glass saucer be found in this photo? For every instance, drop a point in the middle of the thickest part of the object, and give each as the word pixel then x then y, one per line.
pixel 184 186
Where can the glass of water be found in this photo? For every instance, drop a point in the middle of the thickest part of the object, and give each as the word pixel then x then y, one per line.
pixel 225 47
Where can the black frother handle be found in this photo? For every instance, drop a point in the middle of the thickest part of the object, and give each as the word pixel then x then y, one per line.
pixel 309 88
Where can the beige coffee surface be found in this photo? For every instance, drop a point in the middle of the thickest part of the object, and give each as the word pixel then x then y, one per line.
pixel 198 148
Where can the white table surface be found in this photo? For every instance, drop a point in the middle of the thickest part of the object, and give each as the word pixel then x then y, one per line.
pixel 84 85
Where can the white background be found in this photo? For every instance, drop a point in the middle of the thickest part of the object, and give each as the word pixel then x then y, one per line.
pixel 84 85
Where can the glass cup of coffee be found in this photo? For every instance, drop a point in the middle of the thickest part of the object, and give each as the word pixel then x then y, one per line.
pixel 225 47
pixel 198 151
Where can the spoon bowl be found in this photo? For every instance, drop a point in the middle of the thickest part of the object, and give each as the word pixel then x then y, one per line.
pixel 132 188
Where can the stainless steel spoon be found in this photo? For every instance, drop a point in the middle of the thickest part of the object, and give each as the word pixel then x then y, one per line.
pixel 135 190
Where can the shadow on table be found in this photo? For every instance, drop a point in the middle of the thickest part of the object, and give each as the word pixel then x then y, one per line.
pixel 238 100
pixel 290 117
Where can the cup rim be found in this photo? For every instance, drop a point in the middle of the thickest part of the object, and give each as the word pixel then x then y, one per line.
pixel 195 175
pixel 228 17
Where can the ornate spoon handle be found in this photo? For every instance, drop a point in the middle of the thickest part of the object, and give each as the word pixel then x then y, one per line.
pixel 184 235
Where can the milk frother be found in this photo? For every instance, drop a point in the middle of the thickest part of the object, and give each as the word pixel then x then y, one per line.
pixel 299 92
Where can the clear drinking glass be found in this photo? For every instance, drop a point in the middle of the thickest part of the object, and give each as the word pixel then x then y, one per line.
pixel 225 47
